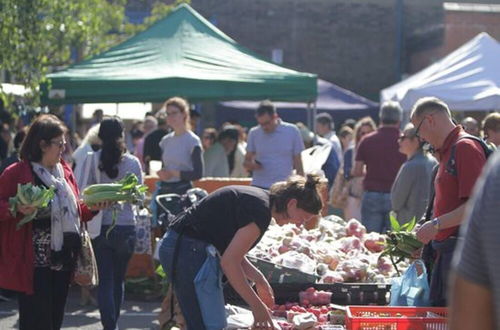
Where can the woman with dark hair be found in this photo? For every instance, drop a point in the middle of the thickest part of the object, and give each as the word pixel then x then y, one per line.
pixel 114 250
pixel 230 221
pixel 235 152
pixel 38 259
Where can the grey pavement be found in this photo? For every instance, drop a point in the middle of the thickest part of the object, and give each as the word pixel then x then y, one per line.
pixel 135 314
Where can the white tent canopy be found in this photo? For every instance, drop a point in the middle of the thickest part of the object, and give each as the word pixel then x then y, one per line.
pixel 468 79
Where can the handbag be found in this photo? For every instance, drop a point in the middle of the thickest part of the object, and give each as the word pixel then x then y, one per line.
pixel 142 231
pixel 340 190
pixel 411 289
pixel 86 273
pixel 208 287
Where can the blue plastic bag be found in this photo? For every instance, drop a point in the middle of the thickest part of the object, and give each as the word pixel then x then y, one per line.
pixel 411 289
pixel 208 286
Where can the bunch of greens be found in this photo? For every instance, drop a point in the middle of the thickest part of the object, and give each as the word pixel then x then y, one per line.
pixel 127 190
pixel 30 195
pixel 401 241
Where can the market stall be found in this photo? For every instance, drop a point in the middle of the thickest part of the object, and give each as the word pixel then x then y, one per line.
pixel 468 79
pixel 180 55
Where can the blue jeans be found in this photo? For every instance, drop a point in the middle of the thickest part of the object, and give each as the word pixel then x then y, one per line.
pixel 375 209
pixel 191 256
pixel 112 255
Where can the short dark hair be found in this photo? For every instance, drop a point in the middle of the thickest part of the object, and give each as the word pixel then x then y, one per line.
pixel 325 119
pixel 44 128
pixel 266 107
pixel 350 122
pixel 229 132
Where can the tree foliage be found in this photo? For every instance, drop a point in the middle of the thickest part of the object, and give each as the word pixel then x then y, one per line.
pixel 39 35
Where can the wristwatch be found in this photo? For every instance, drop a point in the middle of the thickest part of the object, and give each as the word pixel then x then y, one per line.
pixel 435 223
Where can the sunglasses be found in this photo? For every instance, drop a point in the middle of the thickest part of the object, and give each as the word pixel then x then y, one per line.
pixel 402 137
pixel 60 144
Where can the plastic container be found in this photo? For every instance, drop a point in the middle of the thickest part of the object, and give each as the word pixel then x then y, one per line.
pixel 396 318
pixel 281 274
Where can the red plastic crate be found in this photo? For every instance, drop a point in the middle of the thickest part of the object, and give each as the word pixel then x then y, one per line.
pixel 396 318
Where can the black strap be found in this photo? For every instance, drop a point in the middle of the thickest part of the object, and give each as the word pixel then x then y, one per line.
pixel 432 195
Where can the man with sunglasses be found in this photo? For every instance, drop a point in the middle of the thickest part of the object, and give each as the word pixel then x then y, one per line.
pixel 453 184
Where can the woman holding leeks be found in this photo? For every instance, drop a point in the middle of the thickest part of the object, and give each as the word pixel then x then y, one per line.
pixel 38 257
pixel 115 245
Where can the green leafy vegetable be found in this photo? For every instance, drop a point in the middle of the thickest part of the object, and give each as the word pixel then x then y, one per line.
pixel 30 195
pixel 127 190
pixel 402 241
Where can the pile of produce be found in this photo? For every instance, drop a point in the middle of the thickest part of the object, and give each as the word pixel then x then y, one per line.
pixel 127 190
pixel 30 195
pixel 307 315
pixel 337 251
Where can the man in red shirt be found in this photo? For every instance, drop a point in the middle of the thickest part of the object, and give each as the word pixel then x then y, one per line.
pixel 379 152
pixel 460 164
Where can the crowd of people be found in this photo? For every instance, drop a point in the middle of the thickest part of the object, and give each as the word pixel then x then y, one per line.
pixel 424 172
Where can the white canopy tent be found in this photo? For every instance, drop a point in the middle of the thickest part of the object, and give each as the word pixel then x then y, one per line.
pixel 468 79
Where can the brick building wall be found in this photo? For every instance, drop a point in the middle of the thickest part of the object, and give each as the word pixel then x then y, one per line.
pixel 350 42
pixel 353 43
pixel 459 27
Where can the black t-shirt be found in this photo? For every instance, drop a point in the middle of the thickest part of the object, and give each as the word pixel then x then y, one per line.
pixel 152 144
pixel 218 217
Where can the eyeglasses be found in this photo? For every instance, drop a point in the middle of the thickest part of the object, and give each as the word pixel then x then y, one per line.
pixel 417 131
pixel 172 113
pixel 60 144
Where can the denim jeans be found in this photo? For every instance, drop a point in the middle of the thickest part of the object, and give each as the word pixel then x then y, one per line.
pixel 191 256
pixel 112 254
pixel 375 209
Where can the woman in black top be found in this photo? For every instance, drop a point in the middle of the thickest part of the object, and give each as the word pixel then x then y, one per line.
pixel 233 219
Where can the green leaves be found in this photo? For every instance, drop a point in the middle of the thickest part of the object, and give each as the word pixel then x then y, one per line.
pixel 401 241
pixel 396 227
pixel 394 223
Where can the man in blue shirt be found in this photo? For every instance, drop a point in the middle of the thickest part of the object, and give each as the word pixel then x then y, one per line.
pixel 273 148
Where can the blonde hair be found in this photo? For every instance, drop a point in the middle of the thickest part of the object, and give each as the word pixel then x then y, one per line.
pixel 492 122
pixel 183 107
pixel 365 121
pixel 92 135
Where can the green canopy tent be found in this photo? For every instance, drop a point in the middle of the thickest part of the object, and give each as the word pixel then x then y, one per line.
pixel 182 54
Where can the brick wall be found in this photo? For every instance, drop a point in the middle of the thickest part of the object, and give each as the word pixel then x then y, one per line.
pixel 459 27
pixel 349 42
